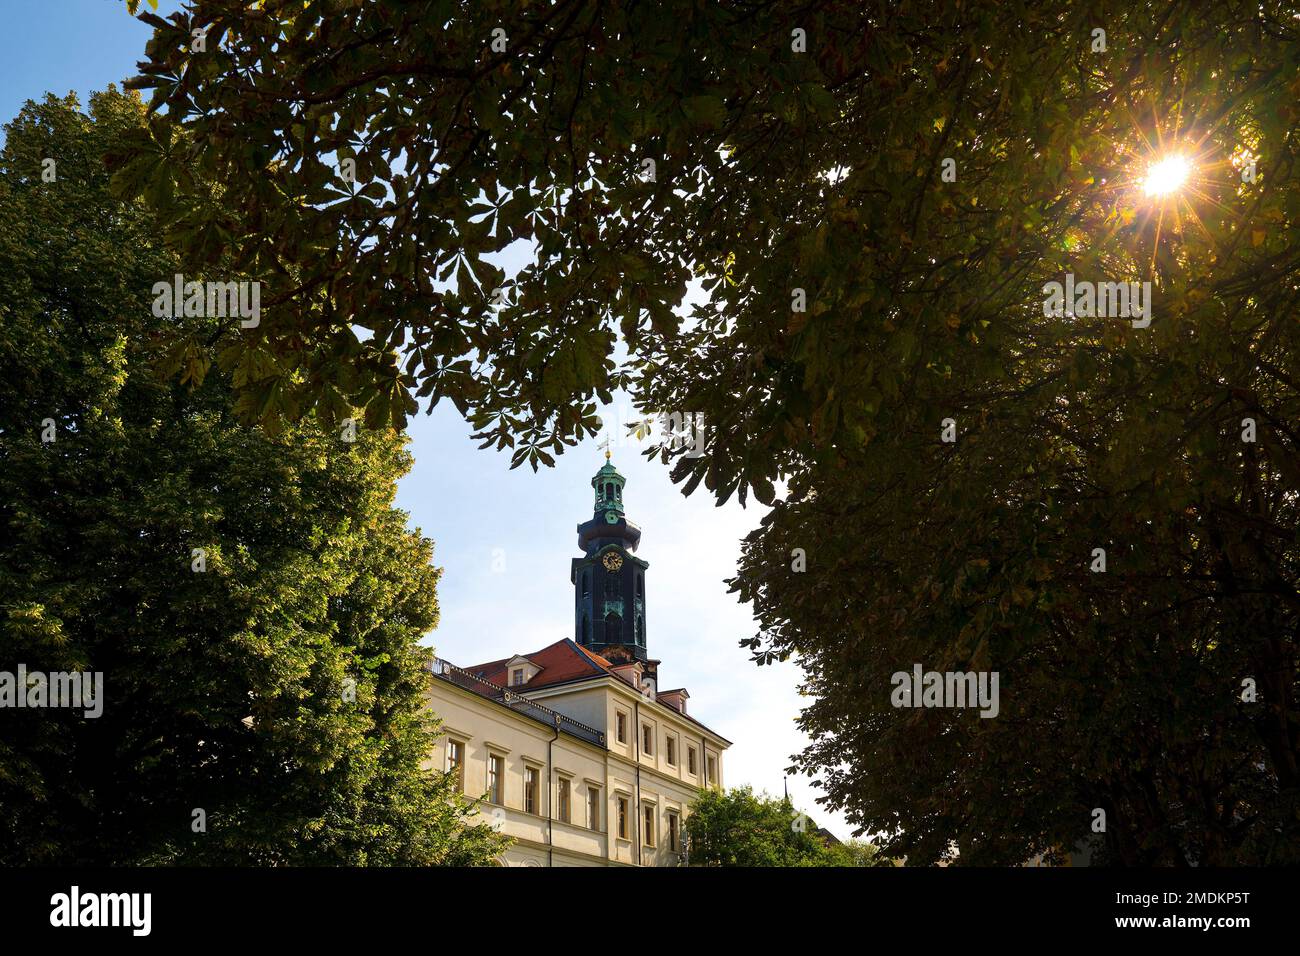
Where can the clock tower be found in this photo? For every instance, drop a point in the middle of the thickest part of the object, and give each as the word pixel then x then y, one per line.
pixel 609 580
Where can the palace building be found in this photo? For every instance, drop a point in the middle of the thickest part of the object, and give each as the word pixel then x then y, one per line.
pixel 578 754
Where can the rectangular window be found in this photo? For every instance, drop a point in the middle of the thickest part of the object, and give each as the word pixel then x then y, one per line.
pixel 647 740
pixel 517 676
pixel 593 808
pixel 456 761
pixel 649 826
pixel 672 832
pixel 622 818
pixel 670 751
pixel 620 727
pixel 531 777
pixel 713 769
pixel 690 759
pixel 564 799
pixel 496 777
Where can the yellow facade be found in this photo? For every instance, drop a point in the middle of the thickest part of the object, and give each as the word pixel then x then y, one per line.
pixel 640 793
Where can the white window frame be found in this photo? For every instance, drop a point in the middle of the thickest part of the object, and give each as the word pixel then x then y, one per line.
pixel 564 797
pixel 497 799
pixel 452 743
pixel 536 771
pixel 622 810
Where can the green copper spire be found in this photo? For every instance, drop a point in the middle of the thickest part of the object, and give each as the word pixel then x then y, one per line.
pixel 609 579
pixel 608 484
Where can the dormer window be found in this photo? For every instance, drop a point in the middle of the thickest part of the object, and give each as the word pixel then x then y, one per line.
pixel 630 672
pixel 676 699
pixel 520 670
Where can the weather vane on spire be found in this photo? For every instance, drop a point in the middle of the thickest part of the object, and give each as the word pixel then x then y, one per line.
pixel 605 445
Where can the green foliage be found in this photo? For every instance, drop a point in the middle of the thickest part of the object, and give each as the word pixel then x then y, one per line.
pixel 739 828
pixel 460 152
pixel 1120 690
pixel 821 171
pixel 224 690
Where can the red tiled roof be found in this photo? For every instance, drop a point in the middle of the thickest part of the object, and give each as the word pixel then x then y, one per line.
pixel 600 661
pixel 562 661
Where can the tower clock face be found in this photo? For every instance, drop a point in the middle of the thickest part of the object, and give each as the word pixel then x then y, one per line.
pixel 612 561
pixel 611 517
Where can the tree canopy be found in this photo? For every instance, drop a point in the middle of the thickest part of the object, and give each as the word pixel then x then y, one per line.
pixel 872 198
pixel 741 828
pixel 253 604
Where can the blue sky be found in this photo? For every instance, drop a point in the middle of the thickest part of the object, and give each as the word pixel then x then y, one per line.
pixel 477 510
